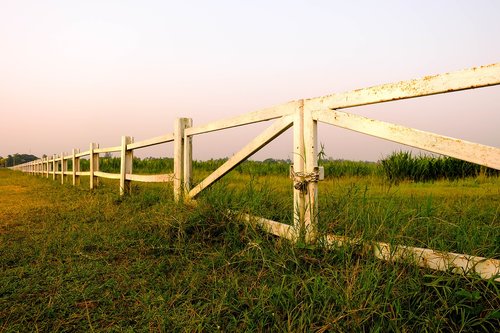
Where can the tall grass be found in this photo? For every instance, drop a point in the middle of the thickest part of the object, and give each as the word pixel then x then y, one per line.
pixel 402 166
pixel 74 260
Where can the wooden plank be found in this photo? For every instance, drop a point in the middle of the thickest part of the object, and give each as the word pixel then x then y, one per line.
pixel 256 144
pixel 114 149
pixel 441 261
pixel 151 142
pixel 83 173
pixel 84 153
pixel 278 229
pixel 274 112
pixel 427 258
pixel 471 78
pixel 106 175
pixel 464 150
pixel 163 178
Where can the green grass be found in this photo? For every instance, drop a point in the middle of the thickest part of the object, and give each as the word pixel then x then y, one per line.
pixel 75 260
pixel 401 166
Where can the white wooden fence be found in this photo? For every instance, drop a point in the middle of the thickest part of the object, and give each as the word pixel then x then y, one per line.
pixel 304 115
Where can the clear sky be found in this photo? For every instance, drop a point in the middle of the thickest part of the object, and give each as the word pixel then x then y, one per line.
pixel 75 72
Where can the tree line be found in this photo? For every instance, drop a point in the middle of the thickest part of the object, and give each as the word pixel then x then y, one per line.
pixel 12 160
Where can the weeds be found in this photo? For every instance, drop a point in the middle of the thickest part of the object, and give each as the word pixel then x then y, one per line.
pixel 74 260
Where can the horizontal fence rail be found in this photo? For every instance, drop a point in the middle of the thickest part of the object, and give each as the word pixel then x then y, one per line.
pixel 303 116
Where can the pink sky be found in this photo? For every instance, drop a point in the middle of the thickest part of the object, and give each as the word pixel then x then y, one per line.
pixel 75 72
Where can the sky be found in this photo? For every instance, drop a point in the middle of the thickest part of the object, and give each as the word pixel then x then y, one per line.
pixel 75 72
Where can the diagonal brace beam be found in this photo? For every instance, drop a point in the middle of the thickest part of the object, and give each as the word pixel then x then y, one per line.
pixel 255 145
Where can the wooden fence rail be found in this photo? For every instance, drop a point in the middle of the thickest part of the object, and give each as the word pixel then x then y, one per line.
pixel 303 116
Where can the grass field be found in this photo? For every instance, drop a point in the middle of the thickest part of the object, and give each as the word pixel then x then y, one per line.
pixel 75 260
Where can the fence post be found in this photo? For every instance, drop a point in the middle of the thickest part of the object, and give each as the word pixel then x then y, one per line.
pixel 311 168
pixel 54 166
pixel 298 168
pixel 76 167
pixel 47 171
pixel 188 158
pixel 63 167
pixel 305 161
pixel 179 126
pixel 94 165
pixel 126 163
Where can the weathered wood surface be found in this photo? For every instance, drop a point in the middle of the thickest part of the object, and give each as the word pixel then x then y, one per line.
pixel 471 78
pixel 83 153
pixel 94 165
pixel 54 166
pixel 151 142
pixel 76 167
pixel 114 149
pixel 106 175
pixel 274 112
pixel 279 229
pixel 464 150
pixel 163 178
pixel 427 258
pixel 180 126
pixel 188 159
pixel 299 153
pixel 63 167
pixel 278 127
pixel 310 163
pixel 126 162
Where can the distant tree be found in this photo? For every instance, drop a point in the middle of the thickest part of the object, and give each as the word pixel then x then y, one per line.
pixel 17 159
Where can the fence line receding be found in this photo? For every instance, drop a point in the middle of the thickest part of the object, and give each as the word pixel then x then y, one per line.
pixel 303 115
